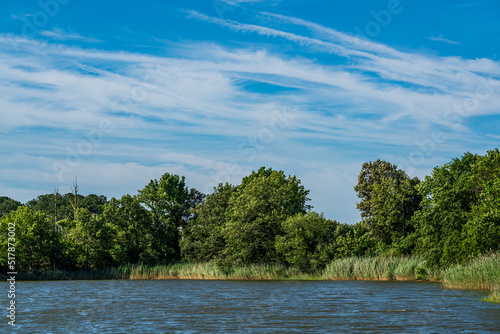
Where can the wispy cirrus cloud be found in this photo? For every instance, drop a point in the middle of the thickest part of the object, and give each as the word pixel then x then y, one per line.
pixel 63 35
pixel 240 2
pixel 440 38
pixel 199 107
pixel 437 83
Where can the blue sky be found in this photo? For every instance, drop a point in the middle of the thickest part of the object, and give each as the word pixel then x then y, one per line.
pixel 117 93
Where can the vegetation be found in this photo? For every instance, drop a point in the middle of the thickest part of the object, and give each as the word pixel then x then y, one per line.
pixel 203 239
pixel 447 225
pixel 483 273
pixel 256 212
pixel 493 297
pixel 400 268
pixel 389 199
pixel 8 205
pixel 460 211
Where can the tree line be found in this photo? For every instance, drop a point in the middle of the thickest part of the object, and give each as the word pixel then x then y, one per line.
pixel 450 216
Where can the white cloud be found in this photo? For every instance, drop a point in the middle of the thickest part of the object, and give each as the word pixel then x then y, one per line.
pixel 240 2
pixel 63 35
pixel 440 38
pixel 193 114
pixel 449 80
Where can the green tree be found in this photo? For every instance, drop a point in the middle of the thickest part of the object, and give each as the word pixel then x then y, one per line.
pixel 132 230
pixel 256 211
pixel 308 241
pixel 372 173
pixel 388 201
pixel 194 201
pixel 482 230
pixel 168 200
pixel 94 203
pixel 88 241
pixel 394 201
pixel 55 206
pixel 446 206
pixel 354 240
pixel 37 244
pixel 203 238
pixel 7 205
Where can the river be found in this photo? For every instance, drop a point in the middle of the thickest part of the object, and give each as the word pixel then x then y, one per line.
pixel 203 306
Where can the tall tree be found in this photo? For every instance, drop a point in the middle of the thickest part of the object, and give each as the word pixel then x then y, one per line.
pixel 168 202
pixel 37 244
pixel 203 238
pixel 394 202
pixel 132 230
pixel 483 226
pixel 256 211
pixel 195 200
pixel 88 241
pixel 388 201
pixel 7 205
pixel 446 206
pixel 56 197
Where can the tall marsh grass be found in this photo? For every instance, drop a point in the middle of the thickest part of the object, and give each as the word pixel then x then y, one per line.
pixel 482 273
pixel 122 272
pixel 401 268
pixel 352 268
pixel 172 271
pixel 211 271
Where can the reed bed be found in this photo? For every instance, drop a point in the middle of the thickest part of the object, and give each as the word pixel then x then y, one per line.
pixel 122 272
pixel 400 268
pixel 482 273
pixel 352 268
pixel 211 271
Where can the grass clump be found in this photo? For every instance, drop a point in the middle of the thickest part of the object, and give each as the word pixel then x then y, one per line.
pixel 493 297
pixel 482 273
pixel 401 268
pixel 177 271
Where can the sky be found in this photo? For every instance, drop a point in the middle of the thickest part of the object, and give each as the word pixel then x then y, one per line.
pixel 117 93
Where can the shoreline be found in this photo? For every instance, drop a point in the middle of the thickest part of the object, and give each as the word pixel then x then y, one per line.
pixel 482 273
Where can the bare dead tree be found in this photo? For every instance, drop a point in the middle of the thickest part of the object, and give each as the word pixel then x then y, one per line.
pixel 75 201
pixel 56 195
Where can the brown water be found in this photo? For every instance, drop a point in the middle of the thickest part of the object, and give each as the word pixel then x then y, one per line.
pixel 192 306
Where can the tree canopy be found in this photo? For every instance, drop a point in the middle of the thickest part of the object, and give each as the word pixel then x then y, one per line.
pixel 7 205
pixel 451 216
pixel 256 211
pixel 388 201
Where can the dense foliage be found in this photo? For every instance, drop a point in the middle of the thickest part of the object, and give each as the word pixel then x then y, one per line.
pixel 460 210
pixel 451 216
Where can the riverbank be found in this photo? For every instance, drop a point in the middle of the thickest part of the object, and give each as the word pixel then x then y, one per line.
pixel 352 268
pixel 482 273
